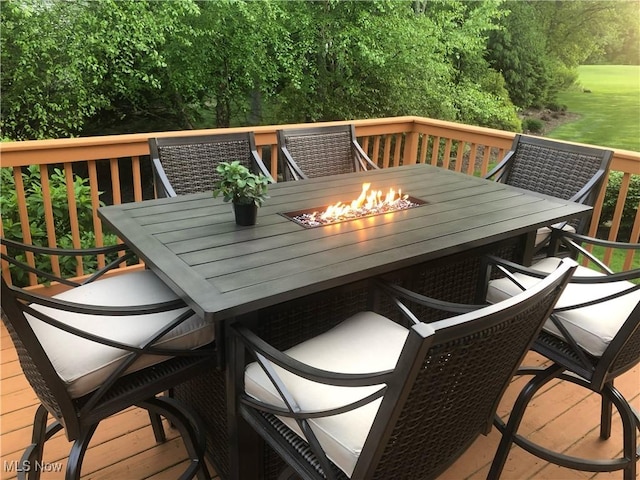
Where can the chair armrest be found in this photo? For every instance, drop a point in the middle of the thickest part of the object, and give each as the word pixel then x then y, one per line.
pixel 65 252
pixel 500 170
pixel 398 293
pixel 576 242
pixel 262 168
pixel 363 158
pixel 577 237
pixel 113 311
pixel 291 165
pixel 163 185
pixel 261 348
pixel 509 269
pixel 583 194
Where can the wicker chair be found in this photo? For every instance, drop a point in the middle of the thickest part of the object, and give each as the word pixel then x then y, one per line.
pixel 592 338
pixel 114 341
pixel 321 151
pixel 562 170
pixel 185 165
pixel 371 398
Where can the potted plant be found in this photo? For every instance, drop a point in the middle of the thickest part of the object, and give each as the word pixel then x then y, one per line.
pixel 246 190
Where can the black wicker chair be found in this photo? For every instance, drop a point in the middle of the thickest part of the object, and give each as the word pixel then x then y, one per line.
pixel 99 347
pixel 562 170
pixel 188 164
pixel 321 151
pixel 371 398
pixel 592 338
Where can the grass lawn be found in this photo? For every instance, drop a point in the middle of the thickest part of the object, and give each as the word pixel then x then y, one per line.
pixel 610 114
pixel 617 260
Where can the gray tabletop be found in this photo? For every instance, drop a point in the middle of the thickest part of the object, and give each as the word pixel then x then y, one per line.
pixel 223 270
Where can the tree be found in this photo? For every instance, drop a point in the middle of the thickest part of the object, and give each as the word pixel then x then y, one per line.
pixel 95 67
pixel 623 45
pixel 541 43
pixel 519 52
pixel 65 62
pixel 476 91
pixel 364 59
pixel 576 30
pixel 233 52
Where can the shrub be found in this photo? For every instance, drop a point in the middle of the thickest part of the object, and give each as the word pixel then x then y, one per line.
pixel 556 107
pixel 532 125
pixel 630 206
pixel 12 225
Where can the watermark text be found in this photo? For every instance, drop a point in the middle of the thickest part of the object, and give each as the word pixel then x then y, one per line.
pixel 29 466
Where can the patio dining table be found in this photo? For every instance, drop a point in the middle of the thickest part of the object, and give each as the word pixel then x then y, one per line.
pixel 226 272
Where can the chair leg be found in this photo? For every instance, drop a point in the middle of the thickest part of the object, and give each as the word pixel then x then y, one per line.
pixel 190 429
pixel 76 456
pixel 515 417
pixel 606 413
pixel 158 428
pixel 33 453
pixel 630 423
pixel 156 422
pixel 610 396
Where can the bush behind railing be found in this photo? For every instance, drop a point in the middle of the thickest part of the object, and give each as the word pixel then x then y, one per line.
pixel 35 206
pixel 629 211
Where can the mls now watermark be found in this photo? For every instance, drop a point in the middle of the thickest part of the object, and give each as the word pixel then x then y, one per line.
pixel 28 466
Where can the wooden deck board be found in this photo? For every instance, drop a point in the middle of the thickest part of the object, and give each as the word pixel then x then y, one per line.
pixel 563 417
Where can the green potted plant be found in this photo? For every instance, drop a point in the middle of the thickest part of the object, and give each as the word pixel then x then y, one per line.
pixel 246 190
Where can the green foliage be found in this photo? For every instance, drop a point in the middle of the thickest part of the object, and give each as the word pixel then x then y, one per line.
pixel 108 66
pixel 138 66
pixel 630 206
pixel 13 227
pixel 66 62
pixel 556 107
pixel 623 47
pixel 238 185
pixel 373 59
pixel 532 125
pixel 577 30
pixel 487 105
pixel 231 54
pixel 519 51
pixel 541 43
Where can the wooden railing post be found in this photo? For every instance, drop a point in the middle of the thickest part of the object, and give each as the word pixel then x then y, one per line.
pixel 411 148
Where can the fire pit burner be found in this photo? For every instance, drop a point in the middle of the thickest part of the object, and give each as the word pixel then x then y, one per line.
pixel 365 206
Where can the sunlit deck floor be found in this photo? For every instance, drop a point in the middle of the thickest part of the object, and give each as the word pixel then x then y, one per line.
pixel 563 417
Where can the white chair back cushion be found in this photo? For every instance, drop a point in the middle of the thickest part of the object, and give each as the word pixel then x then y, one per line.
pixel 84 365
pixel 592 327
pixel 366 342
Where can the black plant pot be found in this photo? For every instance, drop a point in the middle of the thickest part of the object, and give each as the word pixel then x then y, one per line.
pixel 246 213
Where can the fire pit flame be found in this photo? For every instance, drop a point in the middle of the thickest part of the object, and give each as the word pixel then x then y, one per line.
pixel 365 202
pixel 370 202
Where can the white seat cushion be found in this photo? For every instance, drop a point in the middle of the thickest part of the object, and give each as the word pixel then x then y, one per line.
pixel 592 327
pixel 544 233
pixel 82 364
pixel 366 342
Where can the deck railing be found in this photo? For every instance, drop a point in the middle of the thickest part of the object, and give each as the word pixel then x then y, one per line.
pixel 118 167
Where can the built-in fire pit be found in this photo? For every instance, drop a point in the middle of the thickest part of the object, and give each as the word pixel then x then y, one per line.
pixel 369 203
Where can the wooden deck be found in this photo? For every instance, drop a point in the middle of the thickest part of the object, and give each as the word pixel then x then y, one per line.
pixel 563 417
